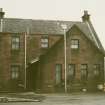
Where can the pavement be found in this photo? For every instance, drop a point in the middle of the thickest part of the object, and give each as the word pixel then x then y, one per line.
pixel 21 97
pixel 82 98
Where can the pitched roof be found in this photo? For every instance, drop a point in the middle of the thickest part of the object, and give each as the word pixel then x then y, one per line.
pixel 35 26
pixel 14 25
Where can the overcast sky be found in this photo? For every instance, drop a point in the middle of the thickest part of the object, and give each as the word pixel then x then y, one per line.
pixel 71 10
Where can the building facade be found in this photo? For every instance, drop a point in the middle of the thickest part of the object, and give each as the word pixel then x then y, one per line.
pixel 33 55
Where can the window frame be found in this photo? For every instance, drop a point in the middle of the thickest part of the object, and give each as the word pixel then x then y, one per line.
pixel 71 76
pixel 15 72
pixel 44 42
pixel 74 44
pixel 58 82
pixel 15 42
pixel 84 75
pixel 97 70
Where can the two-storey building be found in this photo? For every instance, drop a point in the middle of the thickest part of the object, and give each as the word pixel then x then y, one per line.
pixel 34 55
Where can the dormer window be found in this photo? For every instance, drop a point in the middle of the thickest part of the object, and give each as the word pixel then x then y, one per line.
pixel 44 42
pixel 74 43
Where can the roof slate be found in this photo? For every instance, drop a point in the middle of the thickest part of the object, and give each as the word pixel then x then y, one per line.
pixel 35 26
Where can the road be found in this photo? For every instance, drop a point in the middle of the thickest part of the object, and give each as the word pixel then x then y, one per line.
pixel 67 99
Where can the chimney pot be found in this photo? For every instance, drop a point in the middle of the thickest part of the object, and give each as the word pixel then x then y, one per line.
pixel 1 13
pixel 1 9
pixel 85 12
pixel 86 16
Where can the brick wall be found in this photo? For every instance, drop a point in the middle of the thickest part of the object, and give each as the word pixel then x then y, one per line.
pixel 10 57
pixel 34 45
pixel 86 54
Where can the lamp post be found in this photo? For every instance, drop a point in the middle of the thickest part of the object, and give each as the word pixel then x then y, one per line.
pixel 25 57
pixel 64 27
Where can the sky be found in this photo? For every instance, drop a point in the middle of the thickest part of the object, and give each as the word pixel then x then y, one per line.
pixel 70 10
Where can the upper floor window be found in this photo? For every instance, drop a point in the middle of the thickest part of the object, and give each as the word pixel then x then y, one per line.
pixel 74 43
pixel 84 71
pixel 15 43
pixel 44 42
pixel 15 69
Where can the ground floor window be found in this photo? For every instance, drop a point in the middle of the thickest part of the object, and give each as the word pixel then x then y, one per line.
pixel 15 69
pixel 96 70
pixel 71 72
pixel 58 74
pixel 84 71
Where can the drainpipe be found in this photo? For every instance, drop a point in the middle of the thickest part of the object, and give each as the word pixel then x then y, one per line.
pixel 64 27
pixel 25 60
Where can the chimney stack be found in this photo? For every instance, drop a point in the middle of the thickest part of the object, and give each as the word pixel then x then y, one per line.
pixel 86 16
pixel 1 13
pixel 1 19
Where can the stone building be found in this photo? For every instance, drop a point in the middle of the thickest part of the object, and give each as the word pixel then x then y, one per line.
pixel 33 55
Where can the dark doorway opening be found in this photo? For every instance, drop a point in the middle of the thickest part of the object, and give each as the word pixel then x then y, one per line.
pixel 32 76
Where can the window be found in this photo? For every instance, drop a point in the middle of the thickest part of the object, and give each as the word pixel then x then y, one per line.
pixel 15 43
pixel 15 71
pixel 44 42
pixel 96 70
pixel 74 43
pixel 58 73
pixel 71 71
pixel 84 72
